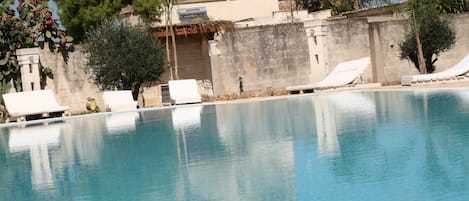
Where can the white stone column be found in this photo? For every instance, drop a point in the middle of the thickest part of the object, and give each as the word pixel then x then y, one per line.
pixel 316 32
pixel 28 59
pixel 214 54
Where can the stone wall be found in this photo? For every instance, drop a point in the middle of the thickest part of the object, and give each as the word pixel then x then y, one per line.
pixel 70 83
pixel 73 86
pixel 270 56
pixel 347 39
pixel 267 56
pixel 379 37
pixel 386 63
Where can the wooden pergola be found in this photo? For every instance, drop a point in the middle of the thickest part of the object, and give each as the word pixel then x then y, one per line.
pixel 192 28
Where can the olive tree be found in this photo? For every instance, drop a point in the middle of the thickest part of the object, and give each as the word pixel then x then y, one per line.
pixel 439 38
pixel 123 57
pixel 429 35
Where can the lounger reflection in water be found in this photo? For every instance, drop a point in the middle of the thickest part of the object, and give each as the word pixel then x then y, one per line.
pixel 37 140
pixel 460 70
pixel 186 117
pixel 124 122
pixel 344 74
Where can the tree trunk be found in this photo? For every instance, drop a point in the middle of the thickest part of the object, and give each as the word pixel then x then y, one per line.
pixel 168 53
pixel 173 39
pixel 355 5
pixel 421 58
pixel 136 91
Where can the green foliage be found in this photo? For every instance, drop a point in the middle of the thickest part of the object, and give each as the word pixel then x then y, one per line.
pixel 4 87
pixel 46 72
pixel 340 6
pixel 313 5
pixel 149 10
pixel 33 24
pixel 427 18
pixel 123 57
pixel 79 16
pixel 454 6
pixel 435 40
pixel 337 6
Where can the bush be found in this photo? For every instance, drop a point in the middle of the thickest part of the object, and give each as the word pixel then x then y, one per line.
pixel 123 57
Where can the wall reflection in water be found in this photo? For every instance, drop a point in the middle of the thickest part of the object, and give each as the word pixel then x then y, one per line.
pixel 400 139
pixel 235 154
pixel 331 111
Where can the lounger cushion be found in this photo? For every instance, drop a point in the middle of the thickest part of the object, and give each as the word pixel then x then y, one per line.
pixel 184 91
pixel 119 100
pixel 459 69
pixel 343 74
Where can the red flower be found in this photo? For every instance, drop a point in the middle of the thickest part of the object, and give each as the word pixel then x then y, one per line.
pixel 49 22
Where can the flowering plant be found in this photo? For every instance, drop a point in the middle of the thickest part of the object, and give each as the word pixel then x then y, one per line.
pixel 33 25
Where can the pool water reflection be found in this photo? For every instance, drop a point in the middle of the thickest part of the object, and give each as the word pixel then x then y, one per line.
pixel 397 145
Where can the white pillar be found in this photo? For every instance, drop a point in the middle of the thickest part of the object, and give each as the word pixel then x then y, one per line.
pixel 28 59
pixel 316 32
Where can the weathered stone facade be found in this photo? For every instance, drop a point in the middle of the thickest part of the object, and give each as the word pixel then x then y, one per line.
pixel 263 57
pixel 71 84
pixel 271 57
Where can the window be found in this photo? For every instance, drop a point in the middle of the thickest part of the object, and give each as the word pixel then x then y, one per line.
pixel 195 1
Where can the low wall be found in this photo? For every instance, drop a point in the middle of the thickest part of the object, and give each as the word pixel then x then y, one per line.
pixel 347 39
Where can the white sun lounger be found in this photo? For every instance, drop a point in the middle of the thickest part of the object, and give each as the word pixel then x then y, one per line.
pixel 345 73
pixel 40 102
pixel 184 91
pixel 116 101
pixel 454 72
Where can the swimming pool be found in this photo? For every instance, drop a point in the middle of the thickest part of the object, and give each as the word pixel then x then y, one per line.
pixel 393 145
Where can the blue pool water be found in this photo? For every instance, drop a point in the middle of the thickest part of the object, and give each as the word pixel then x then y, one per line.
pixel 345 146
